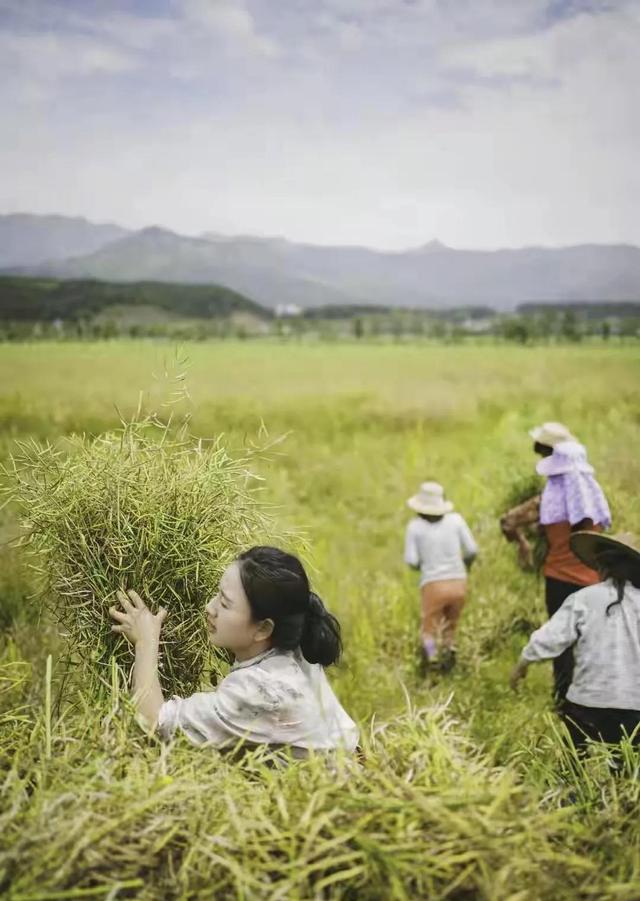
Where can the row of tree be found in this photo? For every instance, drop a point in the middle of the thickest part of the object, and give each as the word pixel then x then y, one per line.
pixel 398 326
pixel 47 308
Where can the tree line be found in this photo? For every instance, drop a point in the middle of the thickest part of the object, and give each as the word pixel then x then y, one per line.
pixel 32 309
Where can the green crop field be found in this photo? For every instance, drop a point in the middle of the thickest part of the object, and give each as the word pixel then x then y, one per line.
pixel 466 790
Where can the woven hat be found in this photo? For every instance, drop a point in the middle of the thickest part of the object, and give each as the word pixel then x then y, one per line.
pixel 551 433
pixel 588 546
pixel 430 500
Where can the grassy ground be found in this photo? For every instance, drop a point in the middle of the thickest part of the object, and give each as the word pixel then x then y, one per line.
pixel 464 788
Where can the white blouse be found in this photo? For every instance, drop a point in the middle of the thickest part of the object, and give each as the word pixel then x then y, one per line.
pixel 275 698
pixel 606 645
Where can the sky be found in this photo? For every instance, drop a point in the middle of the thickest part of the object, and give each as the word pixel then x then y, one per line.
pixel 384 123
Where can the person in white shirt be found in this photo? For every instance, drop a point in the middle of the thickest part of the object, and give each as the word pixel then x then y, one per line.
pixel 602 624
pixel 439 543
pixel 277 693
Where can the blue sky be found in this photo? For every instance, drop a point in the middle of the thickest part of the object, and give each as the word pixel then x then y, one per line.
pixel 484 123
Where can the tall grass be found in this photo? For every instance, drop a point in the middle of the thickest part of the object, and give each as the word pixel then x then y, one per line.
pixel 467 790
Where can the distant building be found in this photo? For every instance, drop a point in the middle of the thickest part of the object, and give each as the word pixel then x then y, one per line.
pixel 477 325
pixel 288 309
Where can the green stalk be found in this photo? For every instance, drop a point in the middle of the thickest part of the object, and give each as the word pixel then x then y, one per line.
pixel 47 709
pixel 81 892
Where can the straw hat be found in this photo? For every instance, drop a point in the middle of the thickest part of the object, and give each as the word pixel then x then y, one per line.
pixel 430 500
pixel 551 433
pixel 587 546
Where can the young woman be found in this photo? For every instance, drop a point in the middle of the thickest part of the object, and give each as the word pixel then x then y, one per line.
pixel 281 636
pixel 572 500
pixel 439 543
pixel 602 624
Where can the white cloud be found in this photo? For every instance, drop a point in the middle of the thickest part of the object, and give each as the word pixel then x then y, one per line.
pixel 554 52
pixel 51 56
pixel 368 121
pixel 135 32
pixel 230 20
pixel 350 36
pixel 429 22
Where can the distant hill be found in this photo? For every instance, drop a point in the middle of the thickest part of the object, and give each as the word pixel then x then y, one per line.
pixel 27 240
pixel 277 272
pixel 246 265
pixel 44 300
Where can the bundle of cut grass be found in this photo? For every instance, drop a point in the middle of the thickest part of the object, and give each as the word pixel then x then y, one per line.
pixel 140 508
pixel 521 491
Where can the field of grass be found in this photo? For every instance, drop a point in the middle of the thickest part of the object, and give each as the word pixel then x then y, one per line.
pixel 466 791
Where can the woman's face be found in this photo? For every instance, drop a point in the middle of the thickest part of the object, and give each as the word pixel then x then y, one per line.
pixel 229 619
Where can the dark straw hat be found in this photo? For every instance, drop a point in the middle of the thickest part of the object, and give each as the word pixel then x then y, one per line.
pixel 588 546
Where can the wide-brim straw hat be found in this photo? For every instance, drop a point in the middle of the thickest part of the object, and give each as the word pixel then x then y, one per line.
pixel 551 433
pixel 588 546
pixel 430 500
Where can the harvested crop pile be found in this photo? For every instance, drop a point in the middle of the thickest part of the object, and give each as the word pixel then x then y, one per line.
pixel 139 508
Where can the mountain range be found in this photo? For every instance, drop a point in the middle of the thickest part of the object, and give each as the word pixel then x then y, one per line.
pixel 277 272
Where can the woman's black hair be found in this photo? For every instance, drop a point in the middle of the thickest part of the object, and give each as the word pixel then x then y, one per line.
pixel 543 450
pixel 618 567
pixel 277 588
pixel 430 517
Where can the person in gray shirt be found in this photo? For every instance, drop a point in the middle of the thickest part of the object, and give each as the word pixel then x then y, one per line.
pixel 438 543
pixel 602 624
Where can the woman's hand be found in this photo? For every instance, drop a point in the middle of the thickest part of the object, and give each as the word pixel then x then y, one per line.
pixel 518 673
pixel 525 554
pixel 137 623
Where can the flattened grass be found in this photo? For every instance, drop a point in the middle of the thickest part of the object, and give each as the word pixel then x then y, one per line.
pixel 426 815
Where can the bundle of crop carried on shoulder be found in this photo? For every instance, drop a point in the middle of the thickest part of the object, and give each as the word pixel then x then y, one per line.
pixel 142 508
